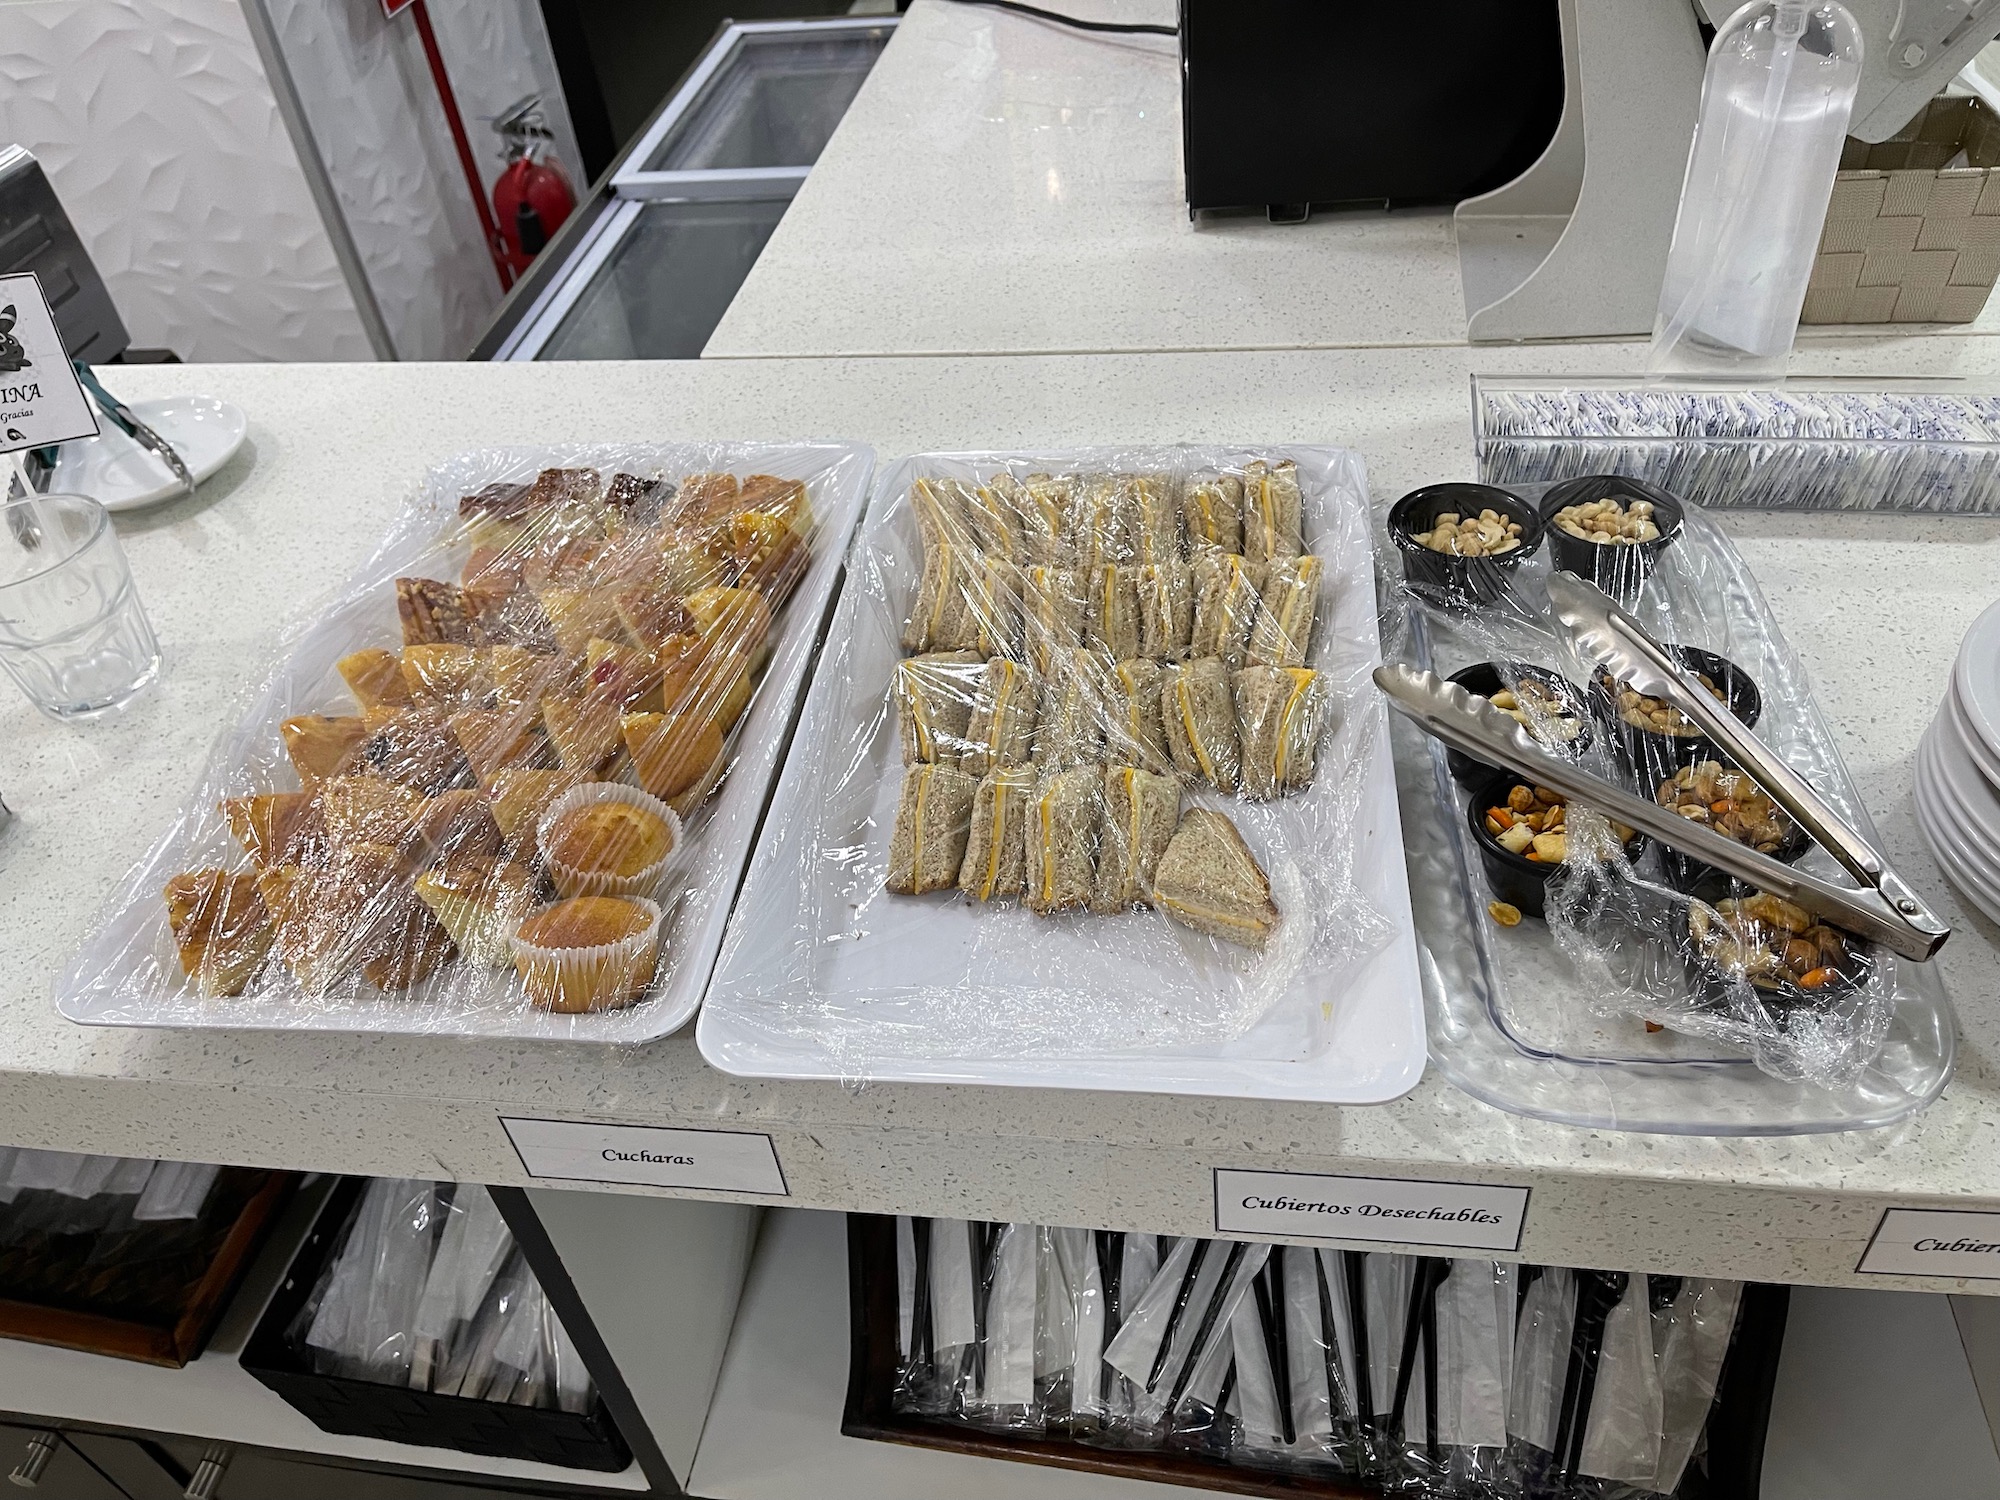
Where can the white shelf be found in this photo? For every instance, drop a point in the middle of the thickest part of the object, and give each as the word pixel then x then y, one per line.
pixel 214 1398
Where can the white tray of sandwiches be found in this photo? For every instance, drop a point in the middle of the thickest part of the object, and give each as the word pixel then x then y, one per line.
pixel 1091 790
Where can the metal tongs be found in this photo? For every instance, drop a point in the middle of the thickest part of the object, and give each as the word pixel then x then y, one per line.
pixel 1885 909
pixel 123 418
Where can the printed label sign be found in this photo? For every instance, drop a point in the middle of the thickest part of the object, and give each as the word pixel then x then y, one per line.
pixel 1395 1210
pixel 1935 1242
pixel 40 400
pixel 733 1161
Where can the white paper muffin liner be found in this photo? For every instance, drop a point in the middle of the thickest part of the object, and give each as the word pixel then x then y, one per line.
pixel 612 968
pixel 570 881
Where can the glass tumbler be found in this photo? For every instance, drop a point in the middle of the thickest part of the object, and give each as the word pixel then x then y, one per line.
pixel 72 632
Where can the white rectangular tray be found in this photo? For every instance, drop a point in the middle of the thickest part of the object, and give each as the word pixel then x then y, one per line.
pixel 119 978
pixel 821 979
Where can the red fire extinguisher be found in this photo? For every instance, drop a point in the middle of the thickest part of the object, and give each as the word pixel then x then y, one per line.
pixel 531 197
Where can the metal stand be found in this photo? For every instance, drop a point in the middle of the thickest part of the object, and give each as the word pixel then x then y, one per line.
pixel 1576 245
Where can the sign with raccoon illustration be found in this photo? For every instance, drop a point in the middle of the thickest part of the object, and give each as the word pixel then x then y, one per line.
pixel 40 400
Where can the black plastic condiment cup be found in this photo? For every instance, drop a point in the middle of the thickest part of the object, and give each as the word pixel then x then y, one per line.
pixel 1449 581
pixel 1710 984
pixel 1694 877
pixel 1514 878
pixel 1619 568
pixel 1652 756
pixel 1484 679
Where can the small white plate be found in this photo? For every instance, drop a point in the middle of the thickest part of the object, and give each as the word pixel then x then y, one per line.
pixel 1959 723
pixel 120 475
pixel 1973 803
pixel 1975 878
pixel 1976 678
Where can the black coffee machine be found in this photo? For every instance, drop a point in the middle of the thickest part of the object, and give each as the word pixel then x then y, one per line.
pixel 1292 105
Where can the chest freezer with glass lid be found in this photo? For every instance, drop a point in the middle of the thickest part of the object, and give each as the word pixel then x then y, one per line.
pixel 756 111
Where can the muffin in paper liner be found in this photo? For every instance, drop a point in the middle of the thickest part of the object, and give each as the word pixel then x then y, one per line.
pixel 570 977
pixel 574 877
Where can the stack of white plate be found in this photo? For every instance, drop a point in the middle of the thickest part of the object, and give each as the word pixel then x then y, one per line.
pixel 1958 770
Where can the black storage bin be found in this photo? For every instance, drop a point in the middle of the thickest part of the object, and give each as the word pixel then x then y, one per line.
pixel 396 1414
pixel 1730 1470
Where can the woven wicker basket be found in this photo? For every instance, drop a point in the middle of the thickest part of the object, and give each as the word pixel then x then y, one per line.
pixel 1907 239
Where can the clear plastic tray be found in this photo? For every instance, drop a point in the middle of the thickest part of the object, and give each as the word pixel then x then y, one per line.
pixel 1508 1020
pixel 1829 445
pixel 826 975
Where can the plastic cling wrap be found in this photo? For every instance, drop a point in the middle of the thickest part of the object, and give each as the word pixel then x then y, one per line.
pixel 1435 1376
pixel 506 782
pixel 1581 975
pixel 1091 770
pixel 429 1291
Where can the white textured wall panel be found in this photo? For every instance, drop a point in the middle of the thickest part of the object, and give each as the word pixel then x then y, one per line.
pixel 373 109
pixel 157 126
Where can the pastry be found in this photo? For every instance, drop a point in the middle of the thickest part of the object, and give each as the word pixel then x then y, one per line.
pixel 1200 721
pixel 1213 514
pixel 583 729
pixel 635 498
pixel 443 675
pixel 577 614
pixel 677 757
pixel 934 696
pixel 416 748
pixel 1052 612
pixel 1102 522
pixel 1111 615
pixel 1283 629
pixel 519 797
pixel 1062 840
pixel 1209 880
pixel 431 610
pixel 604 839
pixel 944 617
pixel 222 930
pixel 504 610
pixel 494 516
pixel 768 555
pixel 375 677
pixel 707 498
pixel 457 824
pixel 996 848
pixel 1272 508
pixel 933 819
pixel 1135 732
pixel 410 950
pixel 319 744
pixel 735 617
pixel 358 913
pixel 368 810
pixel 786 499
pixel 1156 519
pixel 1226 602
pixel 1140 814
pixel 494 739
pixel 1069 731
pixel 276 828
pixel 1166 610
pixel 628 676
pixel 520 677
pixel 1280 712
pixel 590 953
pixel 1045 505
pixel 1001 731
pixel 712 679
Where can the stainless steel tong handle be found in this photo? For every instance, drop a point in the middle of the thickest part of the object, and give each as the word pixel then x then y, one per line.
pixel 1603 633
pixel 1470 723
pixel 123 417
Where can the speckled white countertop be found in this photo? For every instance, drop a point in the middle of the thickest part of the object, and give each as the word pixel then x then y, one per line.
pixel 1875 604
pixel 1004 186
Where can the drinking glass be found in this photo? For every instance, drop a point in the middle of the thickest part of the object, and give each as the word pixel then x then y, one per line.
pixel 72 632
